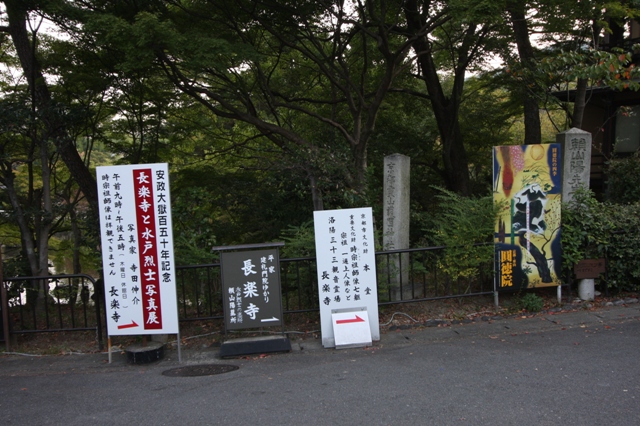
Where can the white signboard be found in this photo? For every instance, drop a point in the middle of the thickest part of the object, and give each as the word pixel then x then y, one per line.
pixel 346 258
pixel 137 249
pixel 351 328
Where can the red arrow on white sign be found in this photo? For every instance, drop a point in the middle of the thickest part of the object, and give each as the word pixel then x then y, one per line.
pixel 133 324
pixel 350 320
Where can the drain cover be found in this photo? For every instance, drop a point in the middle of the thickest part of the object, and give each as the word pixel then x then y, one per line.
pixel 200 370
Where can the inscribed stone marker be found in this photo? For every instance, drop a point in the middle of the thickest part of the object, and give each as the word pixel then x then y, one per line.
pixel 576 167
pixel 396 217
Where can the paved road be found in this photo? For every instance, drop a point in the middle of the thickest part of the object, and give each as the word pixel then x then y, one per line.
pixel 577 368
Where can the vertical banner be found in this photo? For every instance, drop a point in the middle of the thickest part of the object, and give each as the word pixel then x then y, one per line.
pixel 527 185
pixel 346 257
pixel 137 249
pixel 251 289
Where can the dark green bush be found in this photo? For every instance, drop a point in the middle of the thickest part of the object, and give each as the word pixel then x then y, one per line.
pixel 461 223
pixel 593 229
pixel 623 174
pixel 531 302
pixel 586 228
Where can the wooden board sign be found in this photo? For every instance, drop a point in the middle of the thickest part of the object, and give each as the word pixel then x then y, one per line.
pixel 589 268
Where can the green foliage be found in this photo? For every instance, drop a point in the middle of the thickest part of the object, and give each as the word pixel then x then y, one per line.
pixel 612 69
pixel 218 205
pixel 16 266
pixel 276 93
pixel 586 226
pixel 299 241
pixel 622 174
pixel 461 223
pixel 531 302
pixel 623 262
pixel 592 229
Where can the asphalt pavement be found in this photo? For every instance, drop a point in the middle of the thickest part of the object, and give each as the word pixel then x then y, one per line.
pixel 569 368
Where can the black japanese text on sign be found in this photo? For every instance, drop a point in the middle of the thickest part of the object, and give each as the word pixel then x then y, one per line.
pixel 346 265
pixel 137 248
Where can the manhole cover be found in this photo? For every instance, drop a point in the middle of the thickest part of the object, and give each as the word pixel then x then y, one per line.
pixel 200 370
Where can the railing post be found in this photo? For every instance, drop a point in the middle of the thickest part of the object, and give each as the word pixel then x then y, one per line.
pixel 4 307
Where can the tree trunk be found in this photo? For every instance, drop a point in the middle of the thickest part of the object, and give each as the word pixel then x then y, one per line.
pixel 77 242
pixel 53 121
pixel 26 238
pixel 579 103
pixel 454 153
pixel 45 217
pixel 517 14
pixel 359 151
pixel 316 194
pixel 446 108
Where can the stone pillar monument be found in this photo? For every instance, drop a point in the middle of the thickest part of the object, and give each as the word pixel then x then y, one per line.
pixel 576 173
pixel 396 221
pixel 576 161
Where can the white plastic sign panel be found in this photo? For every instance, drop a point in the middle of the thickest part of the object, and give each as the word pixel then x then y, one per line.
pixel 137 249
pixel 346 258
pixel 351 328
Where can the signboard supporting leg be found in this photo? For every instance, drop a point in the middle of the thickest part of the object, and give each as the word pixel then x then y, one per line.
pixel 559 294
pixel 179 350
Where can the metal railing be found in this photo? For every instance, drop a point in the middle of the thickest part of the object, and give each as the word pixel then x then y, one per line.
pixel 404 276
pixel 416 275
pixel 54 303
pixel 68 302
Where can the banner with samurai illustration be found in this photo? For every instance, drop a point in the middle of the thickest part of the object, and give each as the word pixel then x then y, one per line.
pixel 527 186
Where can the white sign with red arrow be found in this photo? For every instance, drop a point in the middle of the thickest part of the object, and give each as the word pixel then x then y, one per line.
pixel 346 265
pixel 351 328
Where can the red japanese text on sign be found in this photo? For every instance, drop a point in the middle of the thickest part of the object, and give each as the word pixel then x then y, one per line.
pixel 147 249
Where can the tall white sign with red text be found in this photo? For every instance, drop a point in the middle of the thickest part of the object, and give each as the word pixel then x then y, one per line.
pixel 346 261
pixel 137 249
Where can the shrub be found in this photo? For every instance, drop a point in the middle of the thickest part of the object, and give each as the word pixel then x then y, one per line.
pixel 299 241
pixel 463 223
pixel 623 262
pixel 586 227
pixel 591 229
pixel 531 302
pixel 622 174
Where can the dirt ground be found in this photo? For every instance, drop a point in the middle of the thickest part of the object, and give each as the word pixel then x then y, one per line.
pixel 202 334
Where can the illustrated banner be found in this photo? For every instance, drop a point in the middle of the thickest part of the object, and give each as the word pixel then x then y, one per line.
pixel 527 187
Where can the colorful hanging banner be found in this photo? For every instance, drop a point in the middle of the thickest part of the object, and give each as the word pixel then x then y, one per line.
pixel 527 185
